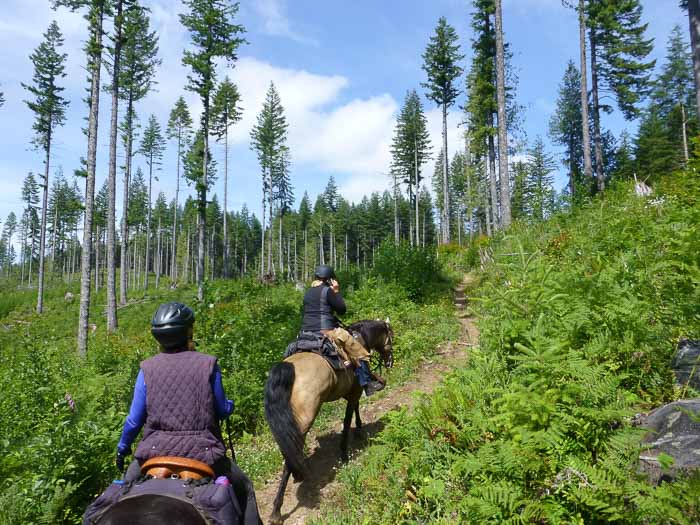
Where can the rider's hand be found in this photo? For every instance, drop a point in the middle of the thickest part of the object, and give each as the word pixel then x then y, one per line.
pixel 119 462
pixel 335 286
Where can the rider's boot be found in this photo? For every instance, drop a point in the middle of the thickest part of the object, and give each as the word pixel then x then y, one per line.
pixel 364 376
pixel 373 387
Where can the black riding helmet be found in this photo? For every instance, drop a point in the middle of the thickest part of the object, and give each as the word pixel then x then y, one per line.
pixel 324 272
pixel 170 325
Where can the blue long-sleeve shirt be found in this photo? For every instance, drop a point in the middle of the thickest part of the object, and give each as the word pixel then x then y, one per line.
pixel 137 413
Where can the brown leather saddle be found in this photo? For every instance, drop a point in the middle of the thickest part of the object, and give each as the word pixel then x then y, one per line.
pixel 164 467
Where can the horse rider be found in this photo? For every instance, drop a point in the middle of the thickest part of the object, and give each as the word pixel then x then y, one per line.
pixel 321 304
pixel 178 401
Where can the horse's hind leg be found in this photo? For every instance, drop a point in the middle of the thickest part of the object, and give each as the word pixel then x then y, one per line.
pixel 276 516
pixel 346 432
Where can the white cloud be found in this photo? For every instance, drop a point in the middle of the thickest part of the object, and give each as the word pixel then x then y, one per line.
pixel 276 22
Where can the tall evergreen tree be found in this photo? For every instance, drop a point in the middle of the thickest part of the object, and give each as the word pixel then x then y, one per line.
pixel 137 68
pixel 213 35
pixel 441 64
pixel 225 113
pixel 540 181
pixel 566 125
pixel 693 7
pixel 152 147
pixel 95 13
pixel 29 224
pixel 618 63
pixel 180 130
pixel 49 108
pixel 410 149
pixel 674 91
pixel 269 141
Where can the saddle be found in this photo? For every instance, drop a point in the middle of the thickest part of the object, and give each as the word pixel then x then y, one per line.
pixel 164 467
pixel 319 345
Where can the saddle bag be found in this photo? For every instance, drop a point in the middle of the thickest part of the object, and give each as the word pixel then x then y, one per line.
pixel 168 501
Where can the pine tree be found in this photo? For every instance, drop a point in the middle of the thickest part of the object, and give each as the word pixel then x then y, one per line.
pixel 674 90
pixel 655 154
pixel 213 35
pixel 7 233
pixel 540 181
pixel 624 159
pixel 441 64
pixel 618 53
pixel 29 223
pixel 225 113
pixel 180 130
pixel 268 140
pixel 49 108
pixel 152 147
pixel 410 149
pixel 519 170
pixel 137 68
pixel 96 10
pixel 566 125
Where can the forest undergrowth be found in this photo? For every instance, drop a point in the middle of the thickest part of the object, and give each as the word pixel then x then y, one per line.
pixel 61 416
pixel 579 318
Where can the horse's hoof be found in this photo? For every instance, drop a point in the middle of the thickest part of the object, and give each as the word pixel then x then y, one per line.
pixel 276 520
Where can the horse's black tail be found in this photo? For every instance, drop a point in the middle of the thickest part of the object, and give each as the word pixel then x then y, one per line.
pixel 278 413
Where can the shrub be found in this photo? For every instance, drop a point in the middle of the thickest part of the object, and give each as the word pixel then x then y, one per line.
pixel 414 269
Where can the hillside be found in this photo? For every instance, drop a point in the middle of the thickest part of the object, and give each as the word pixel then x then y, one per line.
pixel 579 318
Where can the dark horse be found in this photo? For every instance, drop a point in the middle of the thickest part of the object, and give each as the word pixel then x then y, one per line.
pixel 298 386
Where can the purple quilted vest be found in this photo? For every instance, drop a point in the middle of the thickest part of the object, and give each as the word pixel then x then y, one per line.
pixel 181 419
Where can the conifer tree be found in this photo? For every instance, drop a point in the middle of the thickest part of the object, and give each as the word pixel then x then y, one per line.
pixel 441 64
pixel 214 35
pixel 655 154
pixel 624 158
pixel 410 149
pixel 566 125
pixel 152 147
pixel 540 181
pixel 618 54
pixel 115 51
pixel 137 68
pixel 225 113
pixel 180 130
pixel 96 10
pixel 269 141
pixel 673 89
pixel 49 108
pixel 29 224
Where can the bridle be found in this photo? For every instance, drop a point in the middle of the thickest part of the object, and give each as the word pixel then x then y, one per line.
pixel 386 354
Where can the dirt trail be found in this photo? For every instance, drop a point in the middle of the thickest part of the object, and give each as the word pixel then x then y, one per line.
pixel 302 500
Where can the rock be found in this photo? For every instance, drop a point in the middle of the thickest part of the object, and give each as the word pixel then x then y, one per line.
pixel 68 297
pixel 686 363
pixel 299 286
pixel 672 433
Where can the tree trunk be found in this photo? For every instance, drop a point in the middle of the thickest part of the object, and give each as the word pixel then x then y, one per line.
pixel 502 120
pixel 321 252
pixel 203 201
pixel 597 138
pixel 147 265
pixel 173 269
pixel 415 163
pixel 306 240
pixel 694 23
pixel 112 177
pixel 158 260
pixel 279 242
pixel 270 238
pixel 124 267
pixel 445 179
pixel 492 177
pixel 42 235
pixel 225 255
pixel 684 123
pixel 187 257
pixel 85 266
pixel 97 258
pixel 262 236
pixel 587 164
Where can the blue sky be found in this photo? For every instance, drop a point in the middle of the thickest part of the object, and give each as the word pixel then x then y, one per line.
pixel 342 69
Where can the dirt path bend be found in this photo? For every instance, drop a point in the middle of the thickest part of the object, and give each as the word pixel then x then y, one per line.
pixel 302 500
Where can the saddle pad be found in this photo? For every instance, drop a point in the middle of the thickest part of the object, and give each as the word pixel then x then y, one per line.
pixel 318 345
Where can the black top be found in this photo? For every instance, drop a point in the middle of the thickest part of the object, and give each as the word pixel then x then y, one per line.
pixel 321 304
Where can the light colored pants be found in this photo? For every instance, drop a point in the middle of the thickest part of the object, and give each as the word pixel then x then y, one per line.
pixel 348 345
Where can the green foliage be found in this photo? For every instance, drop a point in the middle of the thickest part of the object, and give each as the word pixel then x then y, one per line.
pixel 415 269
pixel 579 319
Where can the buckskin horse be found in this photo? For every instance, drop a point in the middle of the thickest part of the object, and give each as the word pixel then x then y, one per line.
pixel 298 386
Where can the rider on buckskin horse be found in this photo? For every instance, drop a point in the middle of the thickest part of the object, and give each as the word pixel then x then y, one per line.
pixel 178 401
pixel 321 302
